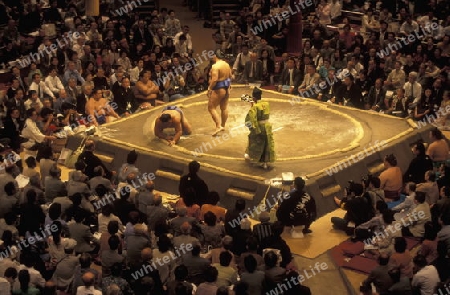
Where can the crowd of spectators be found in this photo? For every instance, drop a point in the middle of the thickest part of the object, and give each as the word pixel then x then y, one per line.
pixel 117 67
pixel 54 233
pixel 366 65
pixel 383 211
pixel 131 61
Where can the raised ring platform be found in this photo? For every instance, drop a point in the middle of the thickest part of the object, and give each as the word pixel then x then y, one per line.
pixel 311 139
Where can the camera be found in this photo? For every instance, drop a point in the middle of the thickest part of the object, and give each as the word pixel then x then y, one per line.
pixel 246 98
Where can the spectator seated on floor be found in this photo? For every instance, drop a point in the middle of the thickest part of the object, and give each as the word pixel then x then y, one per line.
pixel 405 207
pixel 391 178
pixel 212 206
pixel 358 206
pixel 419 165
pixel 379 276
pixel 418 217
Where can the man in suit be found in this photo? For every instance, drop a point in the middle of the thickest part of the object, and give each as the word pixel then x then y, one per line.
pixel 290 78
pixel 87 56
pixel 350 93
pixel 13 125
pixel 40 87
pixel 72 73
pixel 248 25
pixel 310 83
pixel 382 35
pixel 379 276
pixel 337 43
pixel 253 70
pixel 332 85
pixel 64 272
pixel 146 263
pixel 156 212
pixel 373 71
pixel 16 74
pixel 82 235
pixel 263 45
pixel 437 91
pixel 192 182
pixel 63 98
pixel 83 98
pixel 17 102
pixel 175 223
pixel 92 161
pixel 376 97
pixel 15 84
pixel 142 36
pixel 124 97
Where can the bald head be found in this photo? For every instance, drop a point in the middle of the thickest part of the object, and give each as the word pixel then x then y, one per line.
pixel 185 228
pixel 88 279
pixel 146 254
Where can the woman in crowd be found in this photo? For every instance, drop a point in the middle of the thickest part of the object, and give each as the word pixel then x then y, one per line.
pixel 25 289
pixel 169 47
pixel 268 66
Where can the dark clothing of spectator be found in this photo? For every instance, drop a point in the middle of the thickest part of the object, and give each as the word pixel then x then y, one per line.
pixel 280 244
pixel 31 219
pixel 124 97
pixel 91 162
pixel 122 209
pixel 145 270
pixel 350 94
pixel 232 220
pixel 195 183
pixel 417 168
pixel 12 131
pixel 298 209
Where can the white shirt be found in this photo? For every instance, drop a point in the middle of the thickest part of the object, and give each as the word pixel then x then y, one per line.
pixel 414 90
pixel 335 9
pixel 54 84
pixel 407 28
pixel 243 59
pixel 78 49
pixel 426 279
pixel 188 41
pixel 32 132
pixel 33 104
pixel 43 89
pixel 82 290
pixel 134 74
pixel 36 279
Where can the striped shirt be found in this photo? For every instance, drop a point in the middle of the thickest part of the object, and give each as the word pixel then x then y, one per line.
pixel 262 230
